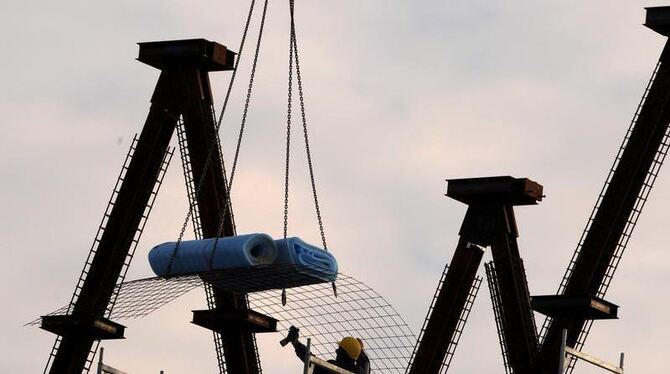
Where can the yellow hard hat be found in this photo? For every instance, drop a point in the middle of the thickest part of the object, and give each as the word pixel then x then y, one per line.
pixel 351 346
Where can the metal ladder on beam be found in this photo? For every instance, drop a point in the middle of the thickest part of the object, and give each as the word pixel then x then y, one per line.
pixel 494 290
pixel 462 320
pixel 185 158
pixel 96 241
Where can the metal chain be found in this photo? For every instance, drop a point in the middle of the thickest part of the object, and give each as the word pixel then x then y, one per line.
pixel 248 99
pixel 288 136
pixel 294 42
pixel 237 63
pixel 213 144
pixel 288 148
pixel 244 119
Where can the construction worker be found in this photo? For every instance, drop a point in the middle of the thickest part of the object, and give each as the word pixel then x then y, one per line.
pixel 363 361
pixel 348 351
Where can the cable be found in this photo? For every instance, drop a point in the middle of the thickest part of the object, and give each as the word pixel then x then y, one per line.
pixel 213 144
pixel 294 42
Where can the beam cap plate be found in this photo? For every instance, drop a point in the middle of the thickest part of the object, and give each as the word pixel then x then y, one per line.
pixel 244 320
pixel 658 19
pixel 495 190
pixel 564 306
pixel 200 53
pixel 96 328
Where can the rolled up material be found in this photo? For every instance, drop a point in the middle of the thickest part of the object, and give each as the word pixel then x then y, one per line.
pixel 297 252
pixel 193 256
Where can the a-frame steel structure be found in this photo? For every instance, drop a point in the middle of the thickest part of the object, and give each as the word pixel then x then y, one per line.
pixel 183 92
pixel 490 222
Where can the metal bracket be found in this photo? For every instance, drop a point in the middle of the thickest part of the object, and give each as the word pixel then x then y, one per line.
pixel 565 350
pixel 106 369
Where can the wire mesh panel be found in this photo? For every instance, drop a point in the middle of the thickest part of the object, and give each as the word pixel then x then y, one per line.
pixel 141 297
pixel 356 311
pixel 266 277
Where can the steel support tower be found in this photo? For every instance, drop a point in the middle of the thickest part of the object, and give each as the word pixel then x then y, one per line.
pixel 489 221
pixel 183 91
pixel 620 203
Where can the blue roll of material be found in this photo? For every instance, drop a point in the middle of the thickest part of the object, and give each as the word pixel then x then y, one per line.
pixel 297 252
pixel 193 256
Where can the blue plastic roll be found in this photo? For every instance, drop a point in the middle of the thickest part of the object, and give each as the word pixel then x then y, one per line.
pixel 297 252
pixel 193 256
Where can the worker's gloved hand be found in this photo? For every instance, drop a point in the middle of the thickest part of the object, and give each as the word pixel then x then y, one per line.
pixel 292 337
pixel 293 334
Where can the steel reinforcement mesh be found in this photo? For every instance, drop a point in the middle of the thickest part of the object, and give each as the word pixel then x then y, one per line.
pixel 358 311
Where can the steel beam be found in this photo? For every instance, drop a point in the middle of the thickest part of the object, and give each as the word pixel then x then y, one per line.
pixel 618 202
pixel 518 322
pixel 183 89
pixel 215 210
pixel 121 227
pixel 489 221
pixel 447 309
pixel 594 360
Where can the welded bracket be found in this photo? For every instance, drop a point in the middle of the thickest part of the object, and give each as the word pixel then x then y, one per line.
pixel 93 328
pixel 595 361
pixel 243 320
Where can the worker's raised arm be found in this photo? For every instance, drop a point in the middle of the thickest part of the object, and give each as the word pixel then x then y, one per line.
pixel 300 349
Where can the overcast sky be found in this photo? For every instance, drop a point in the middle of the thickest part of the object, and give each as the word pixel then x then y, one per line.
pixel 400 96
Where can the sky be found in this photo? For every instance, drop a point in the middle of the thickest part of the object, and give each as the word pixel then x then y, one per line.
pixel 400 96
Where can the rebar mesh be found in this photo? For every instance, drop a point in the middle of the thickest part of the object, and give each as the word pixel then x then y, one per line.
pixel 266 277
pixel 141 297
pixel 357 310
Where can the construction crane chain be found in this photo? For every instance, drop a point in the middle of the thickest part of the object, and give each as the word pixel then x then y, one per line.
pixel 295 54
pixel 248 98
pixel 214 144
pixel 288 136
pixel 244 119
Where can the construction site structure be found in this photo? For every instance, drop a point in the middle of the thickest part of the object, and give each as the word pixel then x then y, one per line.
pixel 182 101
pixel 580 300
pixel 489 222
pixel 618 208
pixel 182 96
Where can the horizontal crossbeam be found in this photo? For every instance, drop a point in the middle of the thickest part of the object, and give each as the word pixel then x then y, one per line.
pixel 594 360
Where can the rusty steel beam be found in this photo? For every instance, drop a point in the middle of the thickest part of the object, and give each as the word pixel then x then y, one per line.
pixel 447 309
pixel 183 89
pixel 618 202
pixel 214 207
pixel 121 227
pixel 489 221
pixel 518 323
